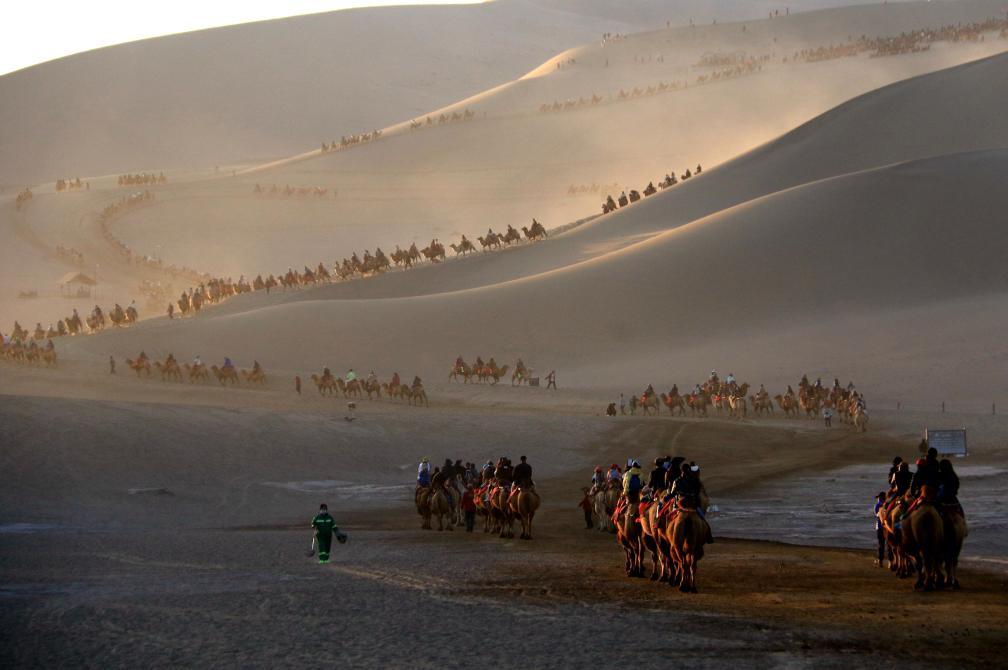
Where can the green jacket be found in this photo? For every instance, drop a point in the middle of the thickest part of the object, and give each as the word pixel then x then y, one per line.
pixel 324 524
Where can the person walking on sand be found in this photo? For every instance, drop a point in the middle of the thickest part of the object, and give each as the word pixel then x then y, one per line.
pixel 469 507
pixel 111 362
pixel 827 414
pixel 171 310
pixel 551 380
pixel 297 384
pixel 586 507
pixel 324 526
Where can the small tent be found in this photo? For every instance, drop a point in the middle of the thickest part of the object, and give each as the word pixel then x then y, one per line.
pixel 76 284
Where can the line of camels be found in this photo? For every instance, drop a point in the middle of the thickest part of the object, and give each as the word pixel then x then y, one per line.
pixel 498 503
pixel 30 353
pixel 170 370
pixel 732 399
pixel 488 372
pixel 372 387
pixel 624 199
pixel 74 325
pixel 673 530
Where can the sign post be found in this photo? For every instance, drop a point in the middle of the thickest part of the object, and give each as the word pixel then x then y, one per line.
pixel 947 442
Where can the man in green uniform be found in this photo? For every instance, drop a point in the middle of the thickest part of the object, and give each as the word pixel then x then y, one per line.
pixel 324 526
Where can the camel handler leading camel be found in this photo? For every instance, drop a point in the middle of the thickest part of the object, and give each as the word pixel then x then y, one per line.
pixel 325 528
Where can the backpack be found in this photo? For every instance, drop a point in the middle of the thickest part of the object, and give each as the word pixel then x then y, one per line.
pixel 635 484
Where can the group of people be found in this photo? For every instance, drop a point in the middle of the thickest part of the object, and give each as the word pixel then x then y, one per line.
pixel 469 487
pixel 931 488
pixel 662 512
pixel 19 350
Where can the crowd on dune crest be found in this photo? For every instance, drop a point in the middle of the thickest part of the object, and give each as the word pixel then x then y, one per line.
pixel 141 179
pixel 289 191
pixel 22 198
pixel 442 119
pixel 730 398
pixel 72 185
pixel 347 141
pixel 910 42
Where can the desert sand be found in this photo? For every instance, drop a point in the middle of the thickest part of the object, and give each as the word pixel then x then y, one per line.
pixel 847 223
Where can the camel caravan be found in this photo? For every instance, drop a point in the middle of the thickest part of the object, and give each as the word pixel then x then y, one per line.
pixel 662 515
pixel 921 525
pixel 457 495
pixel 347 141
pixel 291 192
pixel 141 179
pixel 731 399
pixel 442 119
pixel 21 349
pixel 22 198
pixel 64 185
pixel 353 387
pixel 74 325
pixel 625 199
pixel 169 369
pixel 488 372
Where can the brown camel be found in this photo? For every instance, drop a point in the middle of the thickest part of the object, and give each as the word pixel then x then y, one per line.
pixel 422 500
pixel 955 532
pixel 630 536
pixel 225 375
pixel 139 365
pixel 417 395
pixel 924 540
pixel 524 505
pixel 687 535
pixel 197 372
pixel 442 506
pixel 324 384
pixel 254 376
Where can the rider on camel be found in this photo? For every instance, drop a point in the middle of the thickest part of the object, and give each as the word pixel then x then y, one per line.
pixel 351 375
pixel 424 474
pixel 523 474
pixel 395 379
pixel 656 480
pixel 416 382
pixel 615 475
pixel 256 367
pixel 459 363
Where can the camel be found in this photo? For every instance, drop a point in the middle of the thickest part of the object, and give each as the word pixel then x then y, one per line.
pixel 254 376
pixel 674 401
pixel 489 242
pixel 225 375
pixel 698 403
pixel 955 532
pixel 435 252
pixel 511 236
pixel 139 365
pixel 492 372
pixel 861 420
pixel 503 520
pixel 687 535
pixel 464 371
pixel 169 369
pixel 604 504
pixel 629 535
pixel 417 395
pixel 442 506
pixel 738 406
pixel 761 404
pixel 524 505
pixel 536 232
pixel 788 404
pixel 351 389
pixel 325 383
pixel 422 500
pixel 923 538
pixel 653 524
pixel 197 372
pixel 48 355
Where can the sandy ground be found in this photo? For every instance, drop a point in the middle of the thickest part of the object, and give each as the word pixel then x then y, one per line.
pixel 149 531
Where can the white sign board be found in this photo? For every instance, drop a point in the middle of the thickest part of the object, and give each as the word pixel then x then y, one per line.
pixel 947 442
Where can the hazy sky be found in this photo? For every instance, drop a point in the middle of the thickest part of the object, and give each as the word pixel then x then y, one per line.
pixel 34 32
